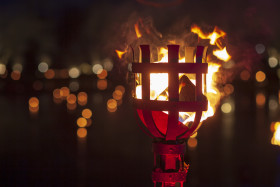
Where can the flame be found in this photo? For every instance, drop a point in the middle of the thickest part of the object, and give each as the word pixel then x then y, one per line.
pixel 137 31
pixel 222 54
pixel 120 53
pixel 276 136
pixel 159 81
pixel 217 33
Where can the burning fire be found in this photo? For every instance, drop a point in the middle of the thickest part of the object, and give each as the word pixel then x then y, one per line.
pixel 276 136
pixel 217 33
pixel 120 53
pixel 159 81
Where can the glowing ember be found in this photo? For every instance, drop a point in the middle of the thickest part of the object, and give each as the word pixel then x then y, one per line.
pixel 276 136
pixel 120 53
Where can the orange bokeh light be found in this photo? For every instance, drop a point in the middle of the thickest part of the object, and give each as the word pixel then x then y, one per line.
pixel 103 74
pixel 86 113
pixel 82 132
pixel 82 98
pixel 81 122
pixel 71 99
pixel 49 74
pixel 260 99
pixel 33 102
pixel 260 76
pixel 102 84
pixel 192 142
pixel 245 75
pixel 15 75
pixel 64 92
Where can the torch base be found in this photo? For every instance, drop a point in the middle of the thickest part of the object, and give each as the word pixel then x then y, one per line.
pixel 169 167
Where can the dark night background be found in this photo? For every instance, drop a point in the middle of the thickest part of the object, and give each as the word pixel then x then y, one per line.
pixel 42 149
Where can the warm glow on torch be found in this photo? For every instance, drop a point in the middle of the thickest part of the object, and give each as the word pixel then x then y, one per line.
pixel 137 31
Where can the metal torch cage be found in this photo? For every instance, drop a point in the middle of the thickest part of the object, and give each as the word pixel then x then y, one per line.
pixel 169 148
pixel 174 131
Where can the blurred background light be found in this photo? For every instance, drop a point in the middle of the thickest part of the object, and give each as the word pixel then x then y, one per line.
pixel 81 122
pixel 2 69
pixel 102 84
pixel 15 75
pixel 97 68
pixel 108 64
pixel 74 72
pixel 43 67
pixel 245 75
pixel 260 100
pixel 82 98
pixel 260 76
pixel 87 113
pixel 260 48
pixel 102 74
pixel 17 67
pixel 226 108
pixel 272 62
pixel 74 86
pixel 192 143
pixel 49 74
pixel 82 132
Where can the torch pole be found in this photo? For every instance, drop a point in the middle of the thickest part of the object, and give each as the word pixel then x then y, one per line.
pixel 169 165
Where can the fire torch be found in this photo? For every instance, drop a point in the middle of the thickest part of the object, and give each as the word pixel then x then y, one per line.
pixel 161 118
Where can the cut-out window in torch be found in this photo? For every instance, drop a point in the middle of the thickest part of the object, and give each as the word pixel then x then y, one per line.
pixel 169 95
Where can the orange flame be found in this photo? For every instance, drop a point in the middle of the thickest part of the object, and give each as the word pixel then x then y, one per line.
pixel 222 54
pixel 217 33
pixel 120 53
pixel 137 31
pixel 276 136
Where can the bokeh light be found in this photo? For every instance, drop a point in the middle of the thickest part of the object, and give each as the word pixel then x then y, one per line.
pixel 87 113
pixel 86 68
pixel 43 67
pixel 17 67
pixel 260 76
pixel 226 108
pixel 74 86
pixel 71 99
pixel 2 69
pixel 273 103
pixel 245 75
pixel 74 72
pixel 33 102
pixel 228 89
pixel 82 98
pixel 15 75
pixel 192 143
pixel 64 92
pixel 82 132
pixel 102 84
pixel 260 48
pixel 260 100
pixel 272 62
pixel 81 122
pixel 97 68
pixel 112 105
pixel 120 88
pixel 117 95
pixel 102 74
pixel 108 64
pixel 49 74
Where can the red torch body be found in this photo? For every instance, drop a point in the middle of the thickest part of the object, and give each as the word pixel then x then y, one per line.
pixel 168 132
